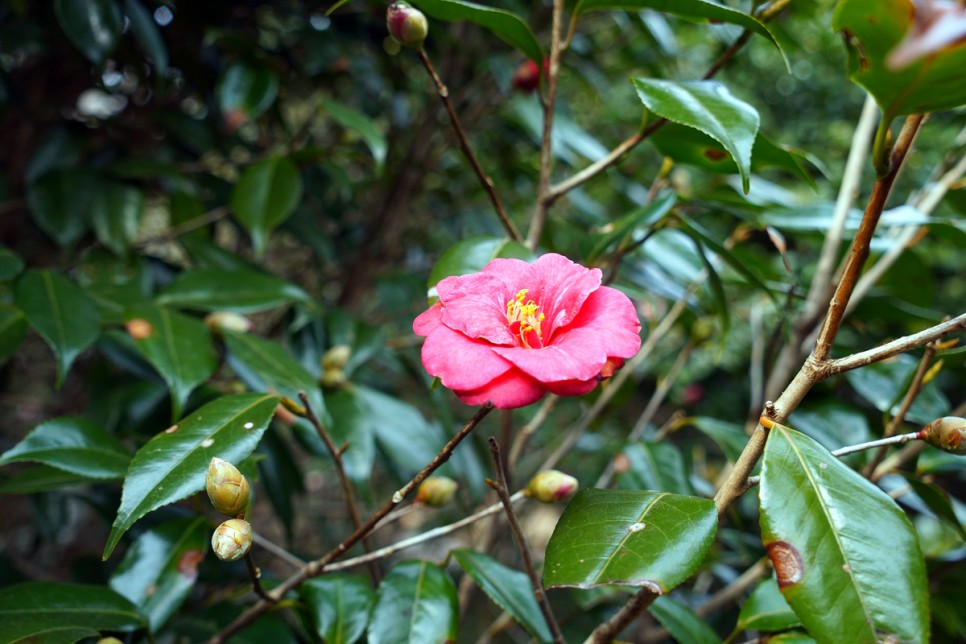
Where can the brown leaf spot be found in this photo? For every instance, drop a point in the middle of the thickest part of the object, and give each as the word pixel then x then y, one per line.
pixel 188 563
pixel 713 154
pixel 139 328
pixel 786 561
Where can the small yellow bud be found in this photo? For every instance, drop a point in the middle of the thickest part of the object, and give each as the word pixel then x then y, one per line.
pixel 551 486
pixel 333 378
pixel 947 434
pixel 227 321
pixel 436 491
pixel 139 329
pixel 337 357
pixel 232 539
pixel 227 488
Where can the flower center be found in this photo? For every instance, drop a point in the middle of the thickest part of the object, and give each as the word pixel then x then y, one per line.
pixel 524 321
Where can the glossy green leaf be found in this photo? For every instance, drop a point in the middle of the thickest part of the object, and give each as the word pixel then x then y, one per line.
pixel 364 126
pixel 40 478
pixel 159 569
pixel 730 437
pixel 73 445
pixel 339 606
pixel 630 538
pixel 61 313
pixel 13 328
pixel 147 33
pixel 681 622
pixel 510 589
pixel 707 106
pixel 116 213
pixel 178 346
pixel 352 424
pixel 655 466
pixel 239 291
pixel 766 610
pixel 266 194
pixel 57 612
pixel 938 501
pixel 247 90
pixel 281 477
pixel 846 557
pixel 60 202
pixel 416 604
pixel 833 423
pixel 471 255
pixel 884 384
pixel 172 465
pixel 506 26
pixel 873 29
pixel 94 26
pixel 10 264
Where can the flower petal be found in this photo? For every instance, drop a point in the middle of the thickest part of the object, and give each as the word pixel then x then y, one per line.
pixel 579 355
pixel 560 287
pixel 461 363
pixel 511 390
pixel 612 316
pixel 571 387
pixel 476 304
pixel 428 320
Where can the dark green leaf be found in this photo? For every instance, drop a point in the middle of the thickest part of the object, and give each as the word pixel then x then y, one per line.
pixel 247 91
pixel 13 328
pixel 10 264
pixel 60 202
pixel 506 26
pixel 938 501
pixel 730 437
pixel 352 423
pixel 766 610
pixel 717 290
pixel 160 568
pixel 707 106
pixel 41 478
pixel 361 124
pixel 644 217
pixel 339 606
pixel 94 26
pixel 73 445
pixel 172 465
pixel 832 423
pixel 471 255
pixel 884 384
pixel 44 611
pixel 281 476
pixel 416 604
pixel 61 313
pixel 510 589
pixel 265 196
pixel 846 557
pixel 655 466
pixel 147 33
pixel 178 346
pixel 631 538
pixel 116 213
pixel 681 622
pixel 239 291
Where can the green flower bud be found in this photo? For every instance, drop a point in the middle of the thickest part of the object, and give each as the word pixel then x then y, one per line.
pixel 232 539
pixel 436 491
pixel 227 488
pixel 228 321
pixel 551 486
pixel 333 379
pixel 947 434
pixel 337 357
pixel 407 24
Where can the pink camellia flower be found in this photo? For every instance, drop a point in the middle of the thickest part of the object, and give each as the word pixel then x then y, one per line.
pixel 515 331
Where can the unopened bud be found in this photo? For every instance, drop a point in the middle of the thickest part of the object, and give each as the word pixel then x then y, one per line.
pixel 551 486
pixel 407 24
pixel 436 491
pixel 526 77
pixel 333 378
pixel 337 357
pixel 227 488
pixel 947 434
pixel 139 329
pixel 228 321
pixel 232 539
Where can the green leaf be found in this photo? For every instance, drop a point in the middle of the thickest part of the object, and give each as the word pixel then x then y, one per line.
pixel 938 501
pixel 696 10
pixel 353 423
pixel 707 106
pixel 655 466
pixel 94 26
pixel 41 478
pixel 238 291
pixel 884 384
pixel 506 26
pixel 58 612
pixel 833 423
pixel 60 201
pixel 280 475
pixel 116 213
pixel 416 604
pixel 265 196
pixel 61 313
pixel 717 290
pixel 730 437
pixel 358 122
pixel 178 346
pixel 73 445
pixel 846 557
pixel 873 29
pixel 339 606
pixel 471 255
pixel 247 90
pixel 630 538
pixel 642 218
pixel 681 622
pixel 159 569
pixel 10 264
pixel 510 589
pixel 172 465
pixel 147 33
pixel 766 610
pixel 13 328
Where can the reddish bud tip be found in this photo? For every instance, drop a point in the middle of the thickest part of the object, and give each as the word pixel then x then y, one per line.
pixel 947 434
pixel 436 491
pixel 407 24
pixel 551 486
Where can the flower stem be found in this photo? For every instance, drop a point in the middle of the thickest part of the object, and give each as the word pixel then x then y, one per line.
pixel 256 575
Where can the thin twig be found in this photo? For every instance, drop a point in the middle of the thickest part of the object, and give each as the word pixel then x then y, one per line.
pixel 485 180
pixel 256 574
pixel 521 540
pixel 524 434
pixel 210 217
pixel 278 551
pixel 609 630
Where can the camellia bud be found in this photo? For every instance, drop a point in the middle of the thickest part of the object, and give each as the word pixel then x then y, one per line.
pixel 227 488
pixel 436 491
pixel 333 378
pixel 526 77
pixel 947 434
pixel 232 539
pixel 337 357
pixel 228 321
pixel 551 486
pixel 407 24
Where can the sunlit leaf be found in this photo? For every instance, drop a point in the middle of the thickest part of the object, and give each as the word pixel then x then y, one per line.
pixel 506 26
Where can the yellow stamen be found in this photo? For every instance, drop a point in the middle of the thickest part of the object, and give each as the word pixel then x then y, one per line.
pixel 523 311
